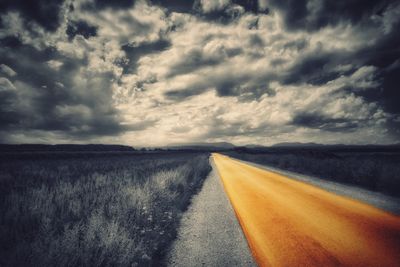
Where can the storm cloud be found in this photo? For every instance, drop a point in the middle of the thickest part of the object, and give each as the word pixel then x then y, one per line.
pixel 243 71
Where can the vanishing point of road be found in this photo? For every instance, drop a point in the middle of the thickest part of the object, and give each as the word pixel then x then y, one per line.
pixel 292 223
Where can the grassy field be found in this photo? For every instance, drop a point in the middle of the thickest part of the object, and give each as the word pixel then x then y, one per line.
pixel 378 171
pixel 94 209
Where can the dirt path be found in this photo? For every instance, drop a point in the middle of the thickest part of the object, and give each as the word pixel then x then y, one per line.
pixel 291 223
pixel 210 234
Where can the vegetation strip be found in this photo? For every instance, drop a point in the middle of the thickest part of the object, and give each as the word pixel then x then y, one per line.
pixel 103 210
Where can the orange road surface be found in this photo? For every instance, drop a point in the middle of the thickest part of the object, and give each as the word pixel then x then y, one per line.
pixel 292 223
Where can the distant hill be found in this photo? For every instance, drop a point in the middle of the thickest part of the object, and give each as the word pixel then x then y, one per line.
pixel 63 147
pixel 201 146
pixel 254 146
pixel 296 144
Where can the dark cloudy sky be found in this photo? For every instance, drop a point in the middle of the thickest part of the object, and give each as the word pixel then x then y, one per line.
pixel 159 72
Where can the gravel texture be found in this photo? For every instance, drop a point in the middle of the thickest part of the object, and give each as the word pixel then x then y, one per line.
pixel 210 234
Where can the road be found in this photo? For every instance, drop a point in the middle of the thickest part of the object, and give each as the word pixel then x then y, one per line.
pixel 373 198
pixel 210 234
pixel 292 223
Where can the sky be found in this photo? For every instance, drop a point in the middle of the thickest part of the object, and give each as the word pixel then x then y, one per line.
pixel 155 72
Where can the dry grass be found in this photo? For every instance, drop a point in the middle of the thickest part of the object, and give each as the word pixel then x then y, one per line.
pixel 94 211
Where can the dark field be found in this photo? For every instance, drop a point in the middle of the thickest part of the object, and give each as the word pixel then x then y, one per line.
pixel 374 170
pixel 94 209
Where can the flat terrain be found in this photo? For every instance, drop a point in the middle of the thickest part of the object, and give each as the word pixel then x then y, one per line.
pixel 292 223
pixel 94 208
pixel 210 234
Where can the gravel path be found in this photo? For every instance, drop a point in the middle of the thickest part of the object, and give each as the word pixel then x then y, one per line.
pixel 210 234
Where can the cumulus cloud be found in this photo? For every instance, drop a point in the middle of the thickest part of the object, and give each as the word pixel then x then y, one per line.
pixel 217 70
pixel 7 70
pixel 46 13
pixel 208 6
